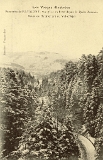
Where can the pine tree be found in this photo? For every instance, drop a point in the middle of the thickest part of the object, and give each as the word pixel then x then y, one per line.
pixel 67 142
pixel 18 102
pixel 41 135
pixel 91 108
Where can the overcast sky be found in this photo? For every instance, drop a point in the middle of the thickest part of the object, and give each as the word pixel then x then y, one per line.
pixel 70 37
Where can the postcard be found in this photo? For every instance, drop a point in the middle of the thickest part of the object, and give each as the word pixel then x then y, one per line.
pixel 51 80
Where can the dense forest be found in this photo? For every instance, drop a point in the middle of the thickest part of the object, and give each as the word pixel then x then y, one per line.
pixel 41 118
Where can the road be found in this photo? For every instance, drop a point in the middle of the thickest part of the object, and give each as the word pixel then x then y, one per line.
pixel 87 149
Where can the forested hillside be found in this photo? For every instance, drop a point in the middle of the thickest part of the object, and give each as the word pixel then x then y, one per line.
pixel 41 118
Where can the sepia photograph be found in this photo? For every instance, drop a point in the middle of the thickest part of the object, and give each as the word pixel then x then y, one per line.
pixel 51 80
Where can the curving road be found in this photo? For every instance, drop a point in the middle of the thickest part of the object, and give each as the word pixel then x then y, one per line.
pixel 87 149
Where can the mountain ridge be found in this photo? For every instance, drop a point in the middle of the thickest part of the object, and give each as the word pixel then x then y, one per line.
pixel 37 63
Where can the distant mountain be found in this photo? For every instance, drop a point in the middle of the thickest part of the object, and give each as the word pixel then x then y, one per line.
pixel 6 61
pixel 37 63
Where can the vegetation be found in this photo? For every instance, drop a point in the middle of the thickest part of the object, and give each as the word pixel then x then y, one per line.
pixel 39 119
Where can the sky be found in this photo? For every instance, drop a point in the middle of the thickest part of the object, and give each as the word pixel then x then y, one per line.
pixel 71 37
